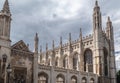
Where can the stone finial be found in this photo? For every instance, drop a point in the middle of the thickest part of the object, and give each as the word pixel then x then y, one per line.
pixel 53 44
pixel 46 46
pixel 80 33
pixel 69 37
pixel 61 40
pixel 36 42
pixel 109 19
pixel 96 3
pixel 6 6
pixel 36 37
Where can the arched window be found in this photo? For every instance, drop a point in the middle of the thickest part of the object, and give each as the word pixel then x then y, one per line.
pixel 88 61
pixel 92 80
pixel 73 79
pixel 65 62
pixel 75 61
pixel 105 62
pixel 84 80
pixel 60 79
pixel 43 78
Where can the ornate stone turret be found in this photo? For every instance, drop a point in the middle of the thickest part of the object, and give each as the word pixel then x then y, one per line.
pixel 35 65
pixel 5 21
pixel 109 29
pixel 110 35
pixel 97 20
pixel 98 40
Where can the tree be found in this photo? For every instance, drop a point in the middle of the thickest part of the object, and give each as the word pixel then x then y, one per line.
pixel 118 76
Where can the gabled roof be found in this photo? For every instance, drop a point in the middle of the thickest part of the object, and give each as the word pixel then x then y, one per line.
pixel 20 45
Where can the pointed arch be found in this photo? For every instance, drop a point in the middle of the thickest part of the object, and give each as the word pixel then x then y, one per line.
pixel 92 80
pixel 88 60
pixel 84 80
pixel 73 79
pixel 60 78
pixel 75 60
pixel 42 77
pixel 65 61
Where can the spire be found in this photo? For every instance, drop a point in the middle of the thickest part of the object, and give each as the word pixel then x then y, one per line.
pixel 6 7
pixel 97 19
pixel 109 23
pixel 69 37
pixel 80 40
pixel 109 19
pixel 46 46
pixel 96 3
pixel 109 28
pixel 36 42
pixel 80 34
pixel 61 41
pixel 96 8
pixel 53 45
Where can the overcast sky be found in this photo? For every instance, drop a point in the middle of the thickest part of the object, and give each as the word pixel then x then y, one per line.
pixel 54 18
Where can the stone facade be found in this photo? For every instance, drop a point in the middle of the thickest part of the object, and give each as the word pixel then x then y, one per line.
pixel 88 59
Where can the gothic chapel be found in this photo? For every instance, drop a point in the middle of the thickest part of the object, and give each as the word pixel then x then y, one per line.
pixel 88 59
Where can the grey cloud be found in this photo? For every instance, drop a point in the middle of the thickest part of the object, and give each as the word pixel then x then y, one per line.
pixel 31 16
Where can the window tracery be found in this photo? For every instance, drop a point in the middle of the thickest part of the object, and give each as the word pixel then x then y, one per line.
pixel 88 61
pixel 75 61
pixel 65 62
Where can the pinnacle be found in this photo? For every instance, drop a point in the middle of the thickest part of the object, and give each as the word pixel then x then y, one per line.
pixel 61 40
pixel 109 19
pixel 36 37
pixel 69 36
pixel 96 3
pixel 6 6
pixel 53 44
pixel 80 32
